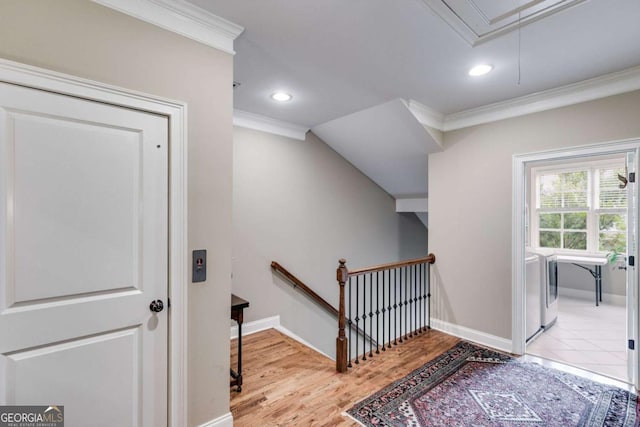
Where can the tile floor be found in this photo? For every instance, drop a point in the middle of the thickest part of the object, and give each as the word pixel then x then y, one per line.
pixel 586 336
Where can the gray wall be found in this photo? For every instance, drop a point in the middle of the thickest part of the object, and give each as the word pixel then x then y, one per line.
pixel 614 281
pixel 81 38
pixel 299 203
pixel 470 202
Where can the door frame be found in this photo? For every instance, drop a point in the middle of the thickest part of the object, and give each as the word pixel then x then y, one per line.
pixel 520 162
pixel 176 112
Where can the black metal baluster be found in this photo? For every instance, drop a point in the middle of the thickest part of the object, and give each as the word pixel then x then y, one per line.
pixel 409 302
pixel 416 286
pixel 410 282
pixel 378 312
pixel 416 297
pixel 400 304
pixel 415 300
pixel 420 298
pixel 349 325
pixel 357 318
pixel 384 311
pixel 371 314
pixel 389 307
pixel 424 297
pixel 428 267
pixel 395 307
pixel 364 318
pixel 406 280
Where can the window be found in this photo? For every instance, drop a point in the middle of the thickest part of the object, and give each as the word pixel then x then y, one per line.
pixel 581 207
pixel 612 211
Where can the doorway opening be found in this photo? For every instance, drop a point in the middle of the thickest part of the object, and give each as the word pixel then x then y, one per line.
pixel 575 227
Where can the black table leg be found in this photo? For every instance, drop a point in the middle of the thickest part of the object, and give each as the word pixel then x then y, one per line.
pixel 239 356
pixel 237 313
pixel 598 284
pixel 597 275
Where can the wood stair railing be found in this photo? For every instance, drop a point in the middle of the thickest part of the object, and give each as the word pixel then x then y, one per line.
pixel 397 303
pixel 297 283
pixel 307 290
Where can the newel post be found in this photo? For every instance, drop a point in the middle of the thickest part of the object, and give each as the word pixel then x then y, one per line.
pixel 342 274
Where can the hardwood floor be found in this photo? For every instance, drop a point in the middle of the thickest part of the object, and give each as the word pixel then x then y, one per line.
pixel 288 384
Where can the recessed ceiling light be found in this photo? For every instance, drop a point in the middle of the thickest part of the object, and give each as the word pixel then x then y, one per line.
pixel 281 96
pixel 480 70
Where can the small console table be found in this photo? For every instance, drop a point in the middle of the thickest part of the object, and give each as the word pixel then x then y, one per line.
pixel 596 272
pixel 237 307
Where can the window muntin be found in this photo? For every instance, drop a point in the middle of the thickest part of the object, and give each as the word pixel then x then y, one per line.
pixel 581 208
pixel 567 230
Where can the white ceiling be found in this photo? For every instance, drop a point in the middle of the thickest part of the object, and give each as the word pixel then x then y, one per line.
pixel 366 75
pixel 481 20
pixel 387 144
pixel 337 57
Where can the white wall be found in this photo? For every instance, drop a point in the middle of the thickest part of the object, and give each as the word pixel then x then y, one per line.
pixel 470 202
pixel 81 38
pixel 299 203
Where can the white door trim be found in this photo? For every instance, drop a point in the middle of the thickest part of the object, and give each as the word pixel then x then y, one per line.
pixel 176 111
pixel 518 213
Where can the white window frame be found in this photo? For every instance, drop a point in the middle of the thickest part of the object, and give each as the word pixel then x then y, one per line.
pixel 593 210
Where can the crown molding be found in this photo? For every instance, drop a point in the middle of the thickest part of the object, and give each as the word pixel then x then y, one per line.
pixel 425 115
pixel 266 124
pixel 586 90
pixel 182 18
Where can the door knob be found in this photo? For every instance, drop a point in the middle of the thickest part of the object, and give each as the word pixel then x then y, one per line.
pixel 156 306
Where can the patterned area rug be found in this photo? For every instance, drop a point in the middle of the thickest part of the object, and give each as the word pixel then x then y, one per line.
pixel 473 386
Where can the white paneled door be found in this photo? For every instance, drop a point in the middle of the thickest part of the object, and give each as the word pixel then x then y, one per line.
pixel 83 254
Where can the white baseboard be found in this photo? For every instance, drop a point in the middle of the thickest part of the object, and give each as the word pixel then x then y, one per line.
pixel 225 420
pixel 301 340
pixel 472 335
pixel 591 296
pixel 249 328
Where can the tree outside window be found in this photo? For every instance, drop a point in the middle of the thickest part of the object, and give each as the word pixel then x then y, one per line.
pixel 582 209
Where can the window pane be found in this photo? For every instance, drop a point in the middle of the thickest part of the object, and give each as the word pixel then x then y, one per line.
pixel 575 200
pixel 613 222
pixel 574 187
pixel 575 221
pixel 610 242
pixel 550 239
pixel 611 195
pixel 550 220
pixel 550 191
pixel 575 240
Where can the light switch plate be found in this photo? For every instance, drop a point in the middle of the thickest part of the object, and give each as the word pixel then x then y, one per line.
pixel 199 269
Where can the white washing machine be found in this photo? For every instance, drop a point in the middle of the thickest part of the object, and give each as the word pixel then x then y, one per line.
pixel 549 287
pixel 541 288
pixel 533 279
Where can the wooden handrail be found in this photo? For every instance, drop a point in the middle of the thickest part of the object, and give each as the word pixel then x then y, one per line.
pixel 297 282
pixel 317 298
pixel 431 258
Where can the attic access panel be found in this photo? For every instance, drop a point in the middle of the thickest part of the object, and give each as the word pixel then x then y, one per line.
pixel 480 20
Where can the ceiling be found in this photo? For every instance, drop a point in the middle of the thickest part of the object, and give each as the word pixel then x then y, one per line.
pixel 337 57
pixel 364 74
